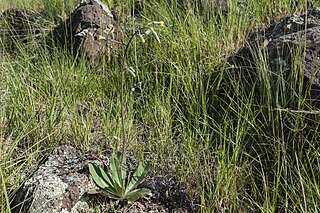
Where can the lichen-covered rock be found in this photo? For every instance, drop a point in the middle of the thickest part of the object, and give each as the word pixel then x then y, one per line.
pixel 59 185
pixel 91 30
pixel 63 185
pixel 281 43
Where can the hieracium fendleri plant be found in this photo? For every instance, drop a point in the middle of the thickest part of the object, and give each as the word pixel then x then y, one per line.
pixel 116 183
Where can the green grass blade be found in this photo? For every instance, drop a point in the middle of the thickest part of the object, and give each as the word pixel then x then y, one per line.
pixel 138 176
pixel 123 161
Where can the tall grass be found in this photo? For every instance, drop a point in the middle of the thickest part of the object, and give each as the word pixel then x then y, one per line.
pixel 234 145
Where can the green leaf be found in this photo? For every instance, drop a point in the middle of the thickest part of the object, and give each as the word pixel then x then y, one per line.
pixel 124 168
pixel 102 179
pixel 138 193
pixel 116 174
pixel 138 176
pixel 113 196
pixel 114 183
pixel 96 173
pixel 114 168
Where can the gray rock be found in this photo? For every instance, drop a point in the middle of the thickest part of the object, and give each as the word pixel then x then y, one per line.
pixel 91 30
pixel 59 185
pixel 280 42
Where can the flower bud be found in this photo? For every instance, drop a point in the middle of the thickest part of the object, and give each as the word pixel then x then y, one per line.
pixel 160 23
pixel 131 71
pixel 100 37
pixel 141 37
pixel 155 34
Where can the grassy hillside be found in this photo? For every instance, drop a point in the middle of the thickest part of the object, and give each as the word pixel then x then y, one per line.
pixel 230 149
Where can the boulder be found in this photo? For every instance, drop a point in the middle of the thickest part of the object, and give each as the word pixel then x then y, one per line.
pixel 59 185
pixel 281 42
pixel 91 30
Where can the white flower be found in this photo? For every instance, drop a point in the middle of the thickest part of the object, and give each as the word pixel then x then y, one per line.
pixel 160 23
pixel 141 37
pixel 100 37
pixel 131 71
pixel 155 34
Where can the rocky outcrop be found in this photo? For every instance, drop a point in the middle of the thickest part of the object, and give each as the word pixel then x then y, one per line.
pixel 91 30
pixel 63 185
pixel 281 43
pixel 59 185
